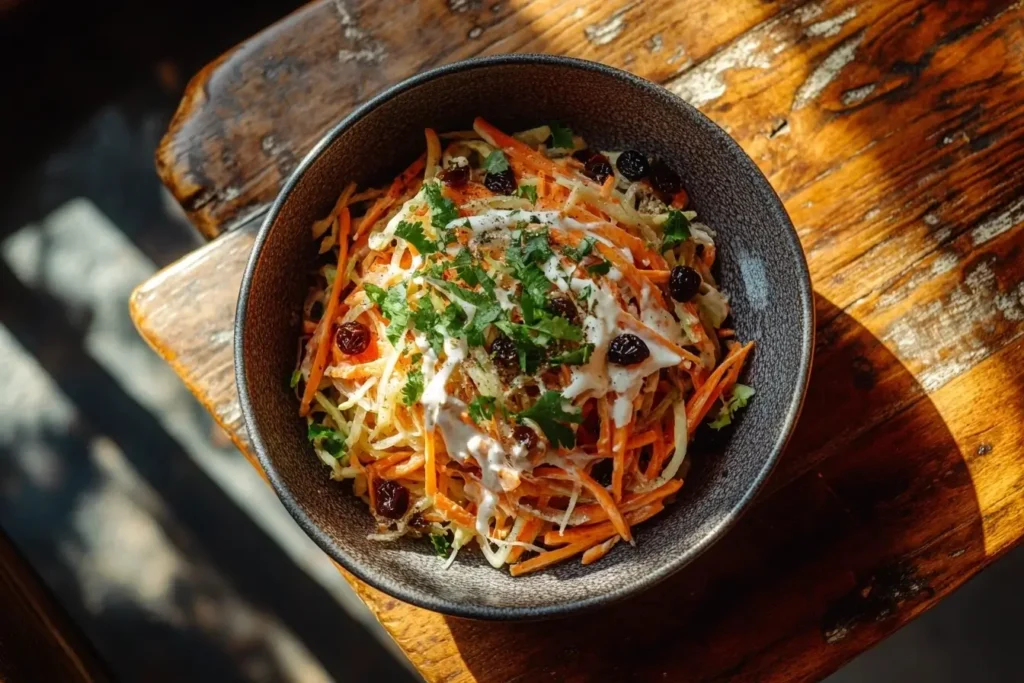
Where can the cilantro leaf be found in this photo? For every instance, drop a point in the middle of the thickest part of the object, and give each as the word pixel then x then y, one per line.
pixel 577 254
pixel 476 328
pixel 441 544
pixel 535 291
pixel 551 416
pixel 452 320
pixel 470 272
pixel 496 162
pixel 602 268
pixel 741 395
pixel 327 439
pixel 426 320
pixel 295 378
pixel 675 230
pixel 413 388
pixel 413 234
pixel 580 356
pixel 530 350
pixel 467 295
pixel 556 327
pixel 393 305
pixel 487 312
pixel 528 192
pixel 482 408
pixel 561 136
pixel 442 210
pixel 535 247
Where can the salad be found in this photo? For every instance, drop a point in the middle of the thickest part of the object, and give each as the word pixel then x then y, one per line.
pixel 513 344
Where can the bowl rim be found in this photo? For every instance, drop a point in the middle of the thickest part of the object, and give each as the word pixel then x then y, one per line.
pixel 423 598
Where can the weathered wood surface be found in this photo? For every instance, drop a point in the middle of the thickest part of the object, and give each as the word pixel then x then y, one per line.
pixel 895 134
pixel 38 642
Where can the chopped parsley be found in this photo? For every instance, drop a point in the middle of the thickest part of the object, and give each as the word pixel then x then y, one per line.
pixel 482 408
pixel 551 416
pixel 442 210
pixel 561 136
pixel 528 192
pixel 580 252
pixel 602 268
pixel 580 356
pixel 426 320
pixel 675 230
pixel 469 271
pixel 413 234
pixel 496 162
pixel 413 388
pixel 441 544
pixel 327 439
pixel 739 398
pixel 393 305
pixel 295 378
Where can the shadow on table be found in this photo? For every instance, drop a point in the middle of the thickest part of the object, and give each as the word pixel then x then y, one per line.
pixel 871 492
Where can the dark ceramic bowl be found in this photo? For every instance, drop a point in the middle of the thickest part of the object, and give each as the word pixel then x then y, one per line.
pixel 762 268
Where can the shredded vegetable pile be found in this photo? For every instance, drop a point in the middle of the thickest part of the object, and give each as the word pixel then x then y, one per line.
pixel 514 343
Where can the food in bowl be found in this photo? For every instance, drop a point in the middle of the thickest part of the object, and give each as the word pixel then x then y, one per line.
pixel 514 343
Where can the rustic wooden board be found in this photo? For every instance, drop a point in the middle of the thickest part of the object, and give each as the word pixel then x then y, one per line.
pixel 895 134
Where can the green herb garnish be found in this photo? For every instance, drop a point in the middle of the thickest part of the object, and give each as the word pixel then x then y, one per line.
pixel 442 210
pixel 482 408
pixel 295 378
pixel 551 416
pixel 496 162
pixel 393 305
pixel 561 136
pixel 327 439
pixel 413 234
pixel 413 389
pixel 580 252
pixel 580 356
pixel 675 230
pixel 739 398
pixel 441 544
pixel 602 268
pixel 528 192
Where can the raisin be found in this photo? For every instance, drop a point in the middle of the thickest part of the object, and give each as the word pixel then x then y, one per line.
pixel 582 155
pixel 664 180
pixel 501 183
pixel 628 349
pixel 504 352
pixel 683 283
pixel 563 307
pixel 353 338
pixel 455 176
pixel 525 436
pixel 601 472
pixel 633 164
pixel 598 167
pixel 392 498
pixel 418 523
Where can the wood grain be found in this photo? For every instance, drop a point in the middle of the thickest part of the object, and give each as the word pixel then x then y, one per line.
pixel 894 133
pixel 38 642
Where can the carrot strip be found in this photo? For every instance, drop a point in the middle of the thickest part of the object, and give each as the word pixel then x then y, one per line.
pixel 593 513
pixel 594 554
pixel 454 512
pixel 429 464
pixel 657 457
pixel 638 326
pixel 605 500
pixel 547 559
pixel 599 532
pixel 642 439
pixel 381 206
pixel 607 186
pixel 658 277
pixel 528 534
pixel 699 404
pixel 520 151
pixel 316 370
pixel 403 469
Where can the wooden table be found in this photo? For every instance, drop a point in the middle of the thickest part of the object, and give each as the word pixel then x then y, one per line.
pixel 894 132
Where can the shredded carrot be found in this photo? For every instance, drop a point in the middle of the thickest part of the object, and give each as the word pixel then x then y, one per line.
pixel 657 457
pixel 547 559
pixel 594 513
pixel 598 551
pixel 642 439
pixel 598 532
pixel 607 186
pixel 316 370
pixel 619 460
pixel 429 465
pixel 528 534
pixel 699 404
pixel 454 512
pixel 381 206
pixel 605 500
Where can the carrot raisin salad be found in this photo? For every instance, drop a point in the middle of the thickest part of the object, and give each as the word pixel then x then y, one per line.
pixel 513 345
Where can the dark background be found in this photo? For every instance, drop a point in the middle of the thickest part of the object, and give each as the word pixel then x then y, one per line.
pixel 151 530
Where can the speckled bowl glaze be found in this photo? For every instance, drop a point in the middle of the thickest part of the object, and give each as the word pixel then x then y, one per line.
pixel 761 267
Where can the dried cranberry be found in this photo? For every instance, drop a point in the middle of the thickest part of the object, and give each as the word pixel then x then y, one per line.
pixel 633 164
pixel 455 176
pixel 601 472
pixel 501 183
pixel 598 167
pixel 392 498
pixel 582 155
pixel 353 338
pixel 664 179
pixel 525 436
pixel 563 306
pixel 683 283
pixel 418 523
pixel 628 349
pixel 504 352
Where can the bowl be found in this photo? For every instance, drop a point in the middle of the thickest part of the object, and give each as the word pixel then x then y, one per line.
pixel 761 267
